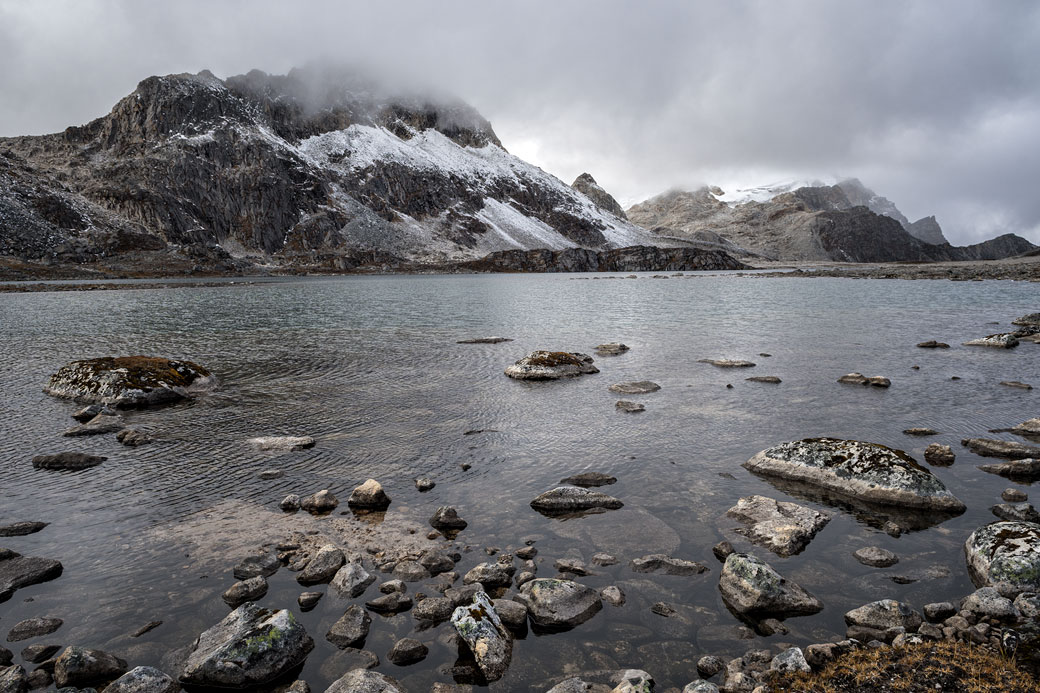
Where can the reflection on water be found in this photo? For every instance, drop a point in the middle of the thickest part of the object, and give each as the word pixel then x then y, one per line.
pixel 370 367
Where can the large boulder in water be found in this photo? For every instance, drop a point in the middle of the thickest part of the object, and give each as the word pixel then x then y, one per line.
pixel 753 589
pixel 1005 555
pixel 551 365
pixel 481 628
pixel 129 381
pixel 864 471
pixel 559 603
pixel 251 646
pixel 571 499
pixel 783 528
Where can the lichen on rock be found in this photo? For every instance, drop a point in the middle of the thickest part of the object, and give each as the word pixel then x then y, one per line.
pixel 129 381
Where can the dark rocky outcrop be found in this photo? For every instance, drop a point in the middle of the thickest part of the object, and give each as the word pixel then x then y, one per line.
pixel 629 259
pixel 587 185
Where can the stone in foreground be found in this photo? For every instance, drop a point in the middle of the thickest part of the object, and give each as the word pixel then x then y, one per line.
pixel 555 603
pixel 369 496
pixel 1005 555
pixel 1005 340
pixel 783 528
pixel 143 680
pixel 480 627
pixel 753 589
pixel 129 381
pixel 637 387
pixel 569 499
pixel 551 365
pixel 365 681
pixel 249 647
pixel 78 667
pixel 1008 449
pixel 865 471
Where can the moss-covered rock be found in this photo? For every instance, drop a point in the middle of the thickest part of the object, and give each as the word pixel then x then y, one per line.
pixel 1005 555
pixel 551 365
pixel 129 381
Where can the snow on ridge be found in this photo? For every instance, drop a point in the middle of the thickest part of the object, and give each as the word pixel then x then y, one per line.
pixel 764 193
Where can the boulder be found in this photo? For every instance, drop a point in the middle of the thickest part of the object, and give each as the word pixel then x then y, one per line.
pixel 1000 341
pixel 570 499
pixel 932 344
pixel 666 565
pixel 78 667
pixel 369 496
pixel 392 603
pixel 281 443
pixel 884 614
pixel 939 455
pixel 589 480
pixel 611 349
pixel 700 687
pixel 782 527
pixel 1005 555
pixel 129 381
pixel 309 600
pixel 629 407
pixel 860 379
pixel 772 379
pixel 322 566
pixel 1031 320
pixel 67 460
pixel 99 425
pixel 446 518
pixel 365 681
pixel 791 659
pixel 1008 449
pixel 351 580
pixel 143 680
pixel 351 629
pixel 13 680
pixel 727 363
pixel 407 651
pixel 1026 470
pixel 21 529
pixel 513 614
pixel 37 654
pixel 490 575
pixel 33 628
pixel 986 602
pixel 249 647
pixel 864 471
pixel 551 365
pixel 753 589
pixel 555 603
pixel 639 387
pixel 1014 495
pixel 321 502
pixel 291 503
pixel 433 609
pixel 250 590
pixel 875 557
pixel 424 484
pixel 480 627
pixel 1022 512
pixel 133 438
pixel 21 571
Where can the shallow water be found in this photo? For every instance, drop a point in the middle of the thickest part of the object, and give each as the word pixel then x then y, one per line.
pixel 370 367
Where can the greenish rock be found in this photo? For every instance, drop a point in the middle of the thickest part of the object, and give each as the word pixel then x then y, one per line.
pixel 1005 555
pixel 480 627
pixel 129 381
pixel 751 588
pixel 249 647
pixel 551 365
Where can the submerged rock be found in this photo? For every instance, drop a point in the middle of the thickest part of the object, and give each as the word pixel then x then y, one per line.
pixel 21 529
pixel 1008 449
pixel 99 425
pixel 727 363
pixel 634 681
pixel 932 344
pixel 551 365
pixel 939 455
pixel 90 411
pixel 629 407
pixel 484 340
pixel 365 681
pixel 569 499
pixel 407 651
pixel 637 387
pixel 263 564
pixel 875 557
pixel 611 349
pixel 920 431
pixel 1005 555
pixel 133 438
pixel 249 647
pixel 1000 341
pixel 1021 512
pixel 1016 384
pixel 753 589
pixel 555 603
pixel 860 379
pixel 143 680
pixel 18 571
pixel 589 479
pixel 33 628
pixel 864 471
pixel 666 565
pixel 129 381
pixel 370 496
pixel 783 528
pixel 480 627
pixel 351 629
pixel 67 461
pixel 764 379
pixel 1025 470
pixel 281 443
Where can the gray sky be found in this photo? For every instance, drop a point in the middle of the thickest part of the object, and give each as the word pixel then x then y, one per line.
pixel 935 105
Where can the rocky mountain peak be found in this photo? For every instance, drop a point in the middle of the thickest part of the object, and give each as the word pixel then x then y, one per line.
pixel 928 230
pixel 587 185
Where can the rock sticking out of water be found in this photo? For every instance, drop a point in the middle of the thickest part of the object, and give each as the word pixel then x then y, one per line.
pixel 1030 427
pixel 68 461
pixel 33 628
pixel 1016 384
pixel 932 344
pixel 611 349
pixel 727 363
pixel 865 471
pixel 782 527
pixel 860 379
pixel 424 484
pixel 18 571
pixel 551 365
pixel 352 580
pixel 291 503
pixel 481 628
pixel 884 614
pixel 1013 495
pixel 247 648
pixel 351 629
pixel 369 496
pixel 250 590
pixel 588 480
pixel 920 431
pixel 322 566
pixel 484 340
pixel 999 341
pixel 129 381
pixel 78 667
pixel 639 387
pixel 1024 470
pixel 281 443
pixel 446 518
pixel 1018 512
pixel 876 557
pixel 555 603
pixel 407 651
pixel 99 425
pixel 1005 555
pixel 21 529
pixel 939 455
pixel 1008 449
pixel 133 438
pixel 772 379
pixel 666 565
pixel 321 502
pixel 90 411
pixel 262 564
pixel 751 588
pixel 570 499
pixel 143 680
pixel 629 407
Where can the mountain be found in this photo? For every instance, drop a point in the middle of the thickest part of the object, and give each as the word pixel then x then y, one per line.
pixel 587 186
pixel 845 222
pixel 311 170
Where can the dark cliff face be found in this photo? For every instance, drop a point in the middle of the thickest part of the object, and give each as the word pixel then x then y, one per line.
pixel 192 161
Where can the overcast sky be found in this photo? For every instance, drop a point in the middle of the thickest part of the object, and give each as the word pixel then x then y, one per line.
pixel 935 105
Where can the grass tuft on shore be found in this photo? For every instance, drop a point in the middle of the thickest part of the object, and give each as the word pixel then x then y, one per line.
pixel 935 666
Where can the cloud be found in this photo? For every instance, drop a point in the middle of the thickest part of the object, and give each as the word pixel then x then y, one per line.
pixel 935 105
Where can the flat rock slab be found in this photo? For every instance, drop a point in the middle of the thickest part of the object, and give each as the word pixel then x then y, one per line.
pixel 99 425
pixel 884 614
pixel 932 344
pixel 559 603
pixel 69 461
pixel 1025 470
pixel 1016 384
pixel 611 349
pixel 727 363
pixel 666 565
pixel 637 387
pixel 484 340
pixel 772 379
pixel 551 365
pixel 281 443
pixel 21 529
pixel 569 499
pixel 860 379
pixel 865 471
pixel 249 647
pixel 629 407
pixel 589 479
pixel 782 527
pixel 753 589
pixel 1005 340
pixel 365 681
pixel 1008 449
pixel 1005 555
pixel 21 571
pixel 33 628
pixel 129 381
pixel 875 557
pixel 920 431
